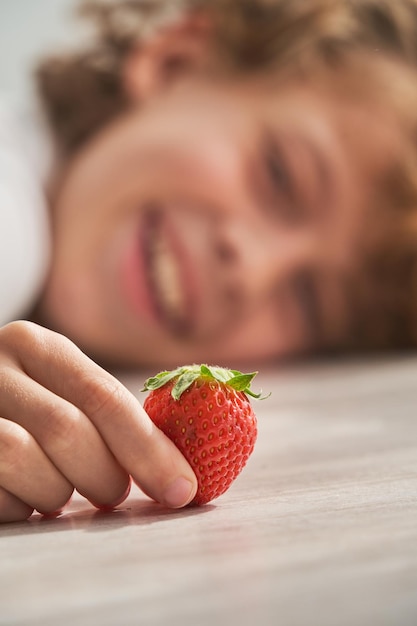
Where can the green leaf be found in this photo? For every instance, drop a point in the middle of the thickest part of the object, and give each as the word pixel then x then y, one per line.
pixel 240 382
pixel 187 374
pixel 161 379
pixel 184 381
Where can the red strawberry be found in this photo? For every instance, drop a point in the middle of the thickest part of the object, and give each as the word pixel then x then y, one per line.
pixel 206 412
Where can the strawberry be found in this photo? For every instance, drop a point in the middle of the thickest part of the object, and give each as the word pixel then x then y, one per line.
pixel 206 412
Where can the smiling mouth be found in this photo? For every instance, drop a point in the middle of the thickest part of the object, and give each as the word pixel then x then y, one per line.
pixel 166 277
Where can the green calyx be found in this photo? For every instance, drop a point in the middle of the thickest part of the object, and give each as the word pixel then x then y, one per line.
pixel 187 374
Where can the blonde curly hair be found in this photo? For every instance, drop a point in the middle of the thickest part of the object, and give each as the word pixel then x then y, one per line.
pixel 82 91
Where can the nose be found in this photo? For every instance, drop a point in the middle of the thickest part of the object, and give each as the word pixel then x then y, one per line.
pixel 256 259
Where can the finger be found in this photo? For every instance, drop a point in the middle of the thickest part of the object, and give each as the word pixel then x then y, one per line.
pixel 67 437
pixel 154 462
pixel 27 473
pixel 12 509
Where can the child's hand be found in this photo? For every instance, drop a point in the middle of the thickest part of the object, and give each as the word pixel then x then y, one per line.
pixel 66 423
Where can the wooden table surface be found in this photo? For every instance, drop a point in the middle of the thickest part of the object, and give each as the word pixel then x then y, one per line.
pixel 319 529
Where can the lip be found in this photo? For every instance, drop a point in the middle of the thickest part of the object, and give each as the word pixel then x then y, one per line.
pixel 134 287
pixel 138 281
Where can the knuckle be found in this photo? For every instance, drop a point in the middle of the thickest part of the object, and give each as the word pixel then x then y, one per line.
pixel 14 442
pixel 15 450
pixel 25 337
pixel 19 332
pixel 102 397
pixel 62 424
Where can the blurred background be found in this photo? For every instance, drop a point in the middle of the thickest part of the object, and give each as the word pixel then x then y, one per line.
pixel 28 29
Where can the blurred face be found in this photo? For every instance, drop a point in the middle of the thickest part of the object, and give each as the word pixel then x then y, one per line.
pixel 217 222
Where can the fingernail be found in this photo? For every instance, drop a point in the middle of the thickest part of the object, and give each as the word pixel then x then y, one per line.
pixel 179 493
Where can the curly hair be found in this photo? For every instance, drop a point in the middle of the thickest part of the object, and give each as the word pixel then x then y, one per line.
pixel 82 91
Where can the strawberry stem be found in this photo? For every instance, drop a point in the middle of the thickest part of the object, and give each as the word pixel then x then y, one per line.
pixel 186 375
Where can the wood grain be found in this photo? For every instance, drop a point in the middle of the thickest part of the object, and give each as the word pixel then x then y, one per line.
pixel 320 528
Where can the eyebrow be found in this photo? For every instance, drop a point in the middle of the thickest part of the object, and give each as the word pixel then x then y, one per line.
pixel 288 144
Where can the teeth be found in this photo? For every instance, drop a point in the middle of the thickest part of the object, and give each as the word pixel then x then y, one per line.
pixel 167 279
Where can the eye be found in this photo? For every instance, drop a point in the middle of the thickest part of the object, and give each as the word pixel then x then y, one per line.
pixel 280 185
pixel 277 170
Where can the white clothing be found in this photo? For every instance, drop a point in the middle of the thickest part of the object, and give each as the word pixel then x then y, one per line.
pixel 25 158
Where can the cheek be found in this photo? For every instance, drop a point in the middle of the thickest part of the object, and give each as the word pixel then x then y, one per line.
pixel 262 336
